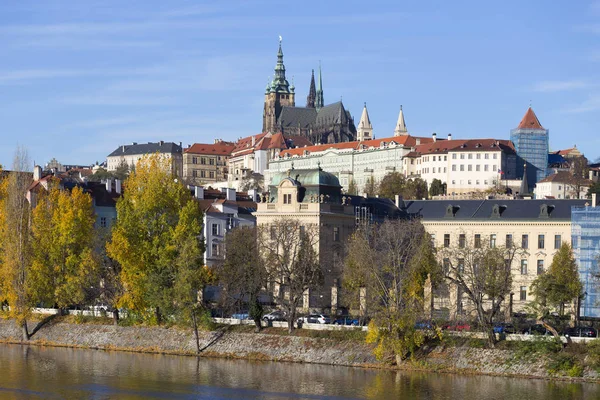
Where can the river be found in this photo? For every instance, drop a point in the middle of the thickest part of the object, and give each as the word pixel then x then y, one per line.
pixel 30 372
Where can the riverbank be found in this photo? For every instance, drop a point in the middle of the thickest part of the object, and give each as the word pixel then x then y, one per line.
pixel 330 348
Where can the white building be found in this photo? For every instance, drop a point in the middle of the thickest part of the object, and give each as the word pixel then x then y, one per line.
pixel 562 185
pixel 463 165
pixel 130 154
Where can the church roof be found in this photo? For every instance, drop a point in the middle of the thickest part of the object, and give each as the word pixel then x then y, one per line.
pixel 332 114
pixel 293 117
pixel 530 121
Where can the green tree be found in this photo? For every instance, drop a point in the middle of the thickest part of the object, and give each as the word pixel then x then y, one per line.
pixel 437 188
pixel 15 241
pixel 392 184
pixel 242 274
pixel 254 181
pixel 560 284
pixel 415 189
pixel 391 263
pixel 158 222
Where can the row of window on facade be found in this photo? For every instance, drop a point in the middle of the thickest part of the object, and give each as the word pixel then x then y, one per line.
pixel 486 168
pixel 203 160
pixel 469 182
pixel 509 242
pixel 203 174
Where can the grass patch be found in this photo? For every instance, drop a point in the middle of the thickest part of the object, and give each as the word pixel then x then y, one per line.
pixel 350 334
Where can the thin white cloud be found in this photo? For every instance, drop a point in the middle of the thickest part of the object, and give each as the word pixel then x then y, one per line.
pixel 560 86
pixel 591 104
pixel 118 100
pixel 24 75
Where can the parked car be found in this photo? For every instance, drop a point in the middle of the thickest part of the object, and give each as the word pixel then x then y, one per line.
pixel 314 319
pixel 504 327
pixel 241 315
pixel 347 320
pixel 277 315
pixel 457 326
pixel 581 331
pixel 424 325
pixel 536 329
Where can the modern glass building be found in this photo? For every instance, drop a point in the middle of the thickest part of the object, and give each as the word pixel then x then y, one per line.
pixel 531 143
pixel 585 237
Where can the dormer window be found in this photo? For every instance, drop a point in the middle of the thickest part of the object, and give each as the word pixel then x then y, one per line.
pixel 382 144
pixel 287 198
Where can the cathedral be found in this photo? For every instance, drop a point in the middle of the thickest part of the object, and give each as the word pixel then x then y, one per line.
pixel 318 122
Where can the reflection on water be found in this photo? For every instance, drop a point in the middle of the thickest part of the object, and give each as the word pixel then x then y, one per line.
pixel 57 373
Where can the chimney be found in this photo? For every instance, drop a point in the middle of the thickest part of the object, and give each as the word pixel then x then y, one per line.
pixel 593 199
pixel 123 148
pixel 37 173
pixel 434 136
pixel 397 198
pixel 134 143
pixel 161 143
pixel 418 141
pixel 199 192
pixel 253 140
pixel 230 194
pixel 252 194
pixel 118 186
pixel 449 136
pixel 365 195
pixel 591 175
pixel 109 185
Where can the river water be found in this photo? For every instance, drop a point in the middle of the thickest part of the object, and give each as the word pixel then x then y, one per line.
pixel 30 372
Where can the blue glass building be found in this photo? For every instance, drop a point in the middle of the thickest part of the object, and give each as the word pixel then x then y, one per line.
pixel 531 143
pixel 585 238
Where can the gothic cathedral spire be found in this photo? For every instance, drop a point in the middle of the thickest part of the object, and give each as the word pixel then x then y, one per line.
pixel 312 94
pixel 400 125
pixel 319 103
pixel 278 95
pixel 365 129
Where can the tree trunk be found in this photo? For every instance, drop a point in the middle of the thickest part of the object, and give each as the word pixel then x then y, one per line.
pixel 195 326
pixel 551 329
pixel 258 324
pixel 291 317
pixel 24 331
pixel 115 314
pixel 157 314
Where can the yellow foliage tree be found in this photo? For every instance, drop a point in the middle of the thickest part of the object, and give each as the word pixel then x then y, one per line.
pixel 64 264
pixel 156 240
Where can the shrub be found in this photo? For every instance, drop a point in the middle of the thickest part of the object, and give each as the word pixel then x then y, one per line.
pixel 563 363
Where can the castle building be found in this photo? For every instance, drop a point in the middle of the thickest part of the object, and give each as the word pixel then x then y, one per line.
pixel 318 122
pixel 531 144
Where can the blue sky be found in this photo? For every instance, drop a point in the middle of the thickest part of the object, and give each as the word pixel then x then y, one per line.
pixel 80 78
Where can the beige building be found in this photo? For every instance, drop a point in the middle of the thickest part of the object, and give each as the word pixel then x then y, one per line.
pixel 130 154
pixel 314 197
pixel 206 163
pixel 536 227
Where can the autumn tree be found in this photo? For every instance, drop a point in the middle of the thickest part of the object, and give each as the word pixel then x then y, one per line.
pixel 371 186
pixel 108 288
pixel 242 274
pixel 287 248
pixel 65 263
pixel 15 241
pixel 156 239
pixel 391 263
pixel 352 188
pixel 579 169
pixel 483 273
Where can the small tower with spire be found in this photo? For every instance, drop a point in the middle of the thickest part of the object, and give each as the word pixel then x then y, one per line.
pixel 400 129
pixel 319 102
pixel 365 129
pixel 312 94
pixel 530 139
pixel 277 95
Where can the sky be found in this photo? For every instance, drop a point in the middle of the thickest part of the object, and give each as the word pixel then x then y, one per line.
pixel 80 78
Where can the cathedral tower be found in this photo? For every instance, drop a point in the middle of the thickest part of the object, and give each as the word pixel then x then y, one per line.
pixel 277 95
pixel 319 103
pixel 312 94
pixel 365 129
pixel 400 125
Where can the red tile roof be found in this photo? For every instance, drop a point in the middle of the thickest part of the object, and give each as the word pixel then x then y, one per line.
pixel 221 148
pixel 405 140
pixel 264 141
pixel 566 177
pixel 530 121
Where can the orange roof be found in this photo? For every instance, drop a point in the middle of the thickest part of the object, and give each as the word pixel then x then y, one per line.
pixel 246 143
pixel 530 121
pixel 264 141
pixel 222 148
pixel 404 140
